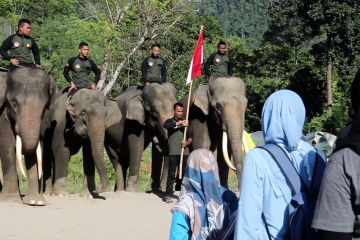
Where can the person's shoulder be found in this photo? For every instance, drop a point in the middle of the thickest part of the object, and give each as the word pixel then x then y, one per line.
pixel 346 154
pixel 10 37
pixel 70 61
pixel 91 61
pixel 169 120
pixel 146 58
pixel 257 156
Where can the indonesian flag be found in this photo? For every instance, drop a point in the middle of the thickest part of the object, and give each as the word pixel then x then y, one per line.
pixel 197 58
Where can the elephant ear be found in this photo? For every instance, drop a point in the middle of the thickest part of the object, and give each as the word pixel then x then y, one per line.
pixel 201 98
pixel 113 113
pixel 135 109
pixel 70 108
pixel 53 90
pixel 3 79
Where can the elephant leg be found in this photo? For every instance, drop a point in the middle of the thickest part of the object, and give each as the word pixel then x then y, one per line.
pixel 10 186
pixel 89 171
pixel 136 147
pixel 48 168
pixel 156 166
pixel 120 179
pixel 34 194
pixel 61 160
pixel 165 172
pixel 223 168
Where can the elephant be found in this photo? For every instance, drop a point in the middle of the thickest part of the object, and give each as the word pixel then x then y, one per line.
pixel 144 113
pixel 75 122
pixel 217 114
pixel 26 94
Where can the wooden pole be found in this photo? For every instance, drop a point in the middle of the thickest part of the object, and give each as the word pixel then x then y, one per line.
pixel 186 118
pixel 185 130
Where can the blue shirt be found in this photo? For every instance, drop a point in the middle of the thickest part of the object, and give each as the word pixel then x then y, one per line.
pixel 264 191
pixel 180 226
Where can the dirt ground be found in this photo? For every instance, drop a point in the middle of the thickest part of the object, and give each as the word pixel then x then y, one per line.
pixel 124 216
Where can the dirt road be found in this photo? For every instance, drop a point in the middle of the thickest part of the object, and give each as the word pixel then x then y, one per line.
pixel 124 216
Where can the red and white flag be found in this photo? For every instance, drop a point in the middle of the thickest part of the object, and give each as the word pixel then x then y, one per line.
pixel 197 58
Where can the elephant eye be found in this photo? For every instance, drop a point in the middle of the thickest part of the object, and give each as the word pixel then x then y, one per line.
pixel 219 107
pixel 14 104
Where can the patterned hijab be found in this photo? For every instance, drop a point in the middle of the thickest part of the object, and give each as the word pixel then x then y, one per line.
pixel 202 198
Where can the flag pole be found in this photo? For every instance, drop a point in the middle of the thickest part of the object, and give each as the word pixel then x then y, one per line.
pixel 186 118
pixel 185 130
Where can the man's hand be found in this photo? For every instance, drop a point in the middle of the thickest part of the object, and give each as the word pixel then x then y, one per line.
pixel 72 86
pixel 93 86
pixel 14 61
pixel 184 123
pixel 186 143
pixel 38 66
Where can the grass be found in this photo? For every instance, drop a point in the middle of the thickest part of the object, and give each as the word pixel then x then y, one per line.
pixel 76 174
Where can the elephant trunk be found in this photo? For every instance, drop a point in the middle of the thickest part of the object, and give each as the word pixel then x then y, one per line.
pixel 96 131
pixel 235 132
pixel 162 129
pixel 28 125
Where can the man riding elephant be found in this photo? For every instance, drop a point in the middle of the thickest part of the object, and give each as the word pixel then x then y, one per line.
pixel 20 49
pixel 80 68
pixel 153 68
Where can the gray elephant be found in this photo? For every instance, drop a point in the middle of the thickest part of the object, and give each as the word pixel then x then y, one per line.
pixel 144 114
pixel 74 123
pixel 217 114
pixel 25 96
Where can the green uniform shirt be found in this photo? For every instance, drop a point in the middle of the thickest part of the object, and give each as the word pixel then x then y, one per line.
pixel 176 135
pixel 154 70
pixel 77 70
pixel 23 48
pixel 218 65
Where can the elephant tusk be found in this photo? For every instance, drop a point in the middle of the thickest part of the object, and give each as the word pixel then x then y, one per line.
pixel 225 151
pixel 39 160
pixel 18 155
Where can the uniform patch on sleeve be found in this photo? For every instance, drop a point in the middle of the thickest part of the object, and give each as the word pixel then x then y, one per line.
pixel 16 44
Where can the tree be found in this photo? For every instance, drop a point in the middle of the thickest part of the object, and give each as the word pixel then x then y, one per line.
pixel 330 28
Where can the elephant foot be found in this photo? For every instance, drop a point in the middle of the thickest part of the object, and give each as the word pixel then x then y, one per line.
pixel 34 200
pixel 86 194
pixel 103 188
pixel 60 193
pixel 132 188
pixel 119 191
pixel 10 197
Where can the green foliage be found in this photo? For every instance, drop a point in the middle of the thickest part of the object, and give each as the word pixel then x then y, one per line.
pixel 244 18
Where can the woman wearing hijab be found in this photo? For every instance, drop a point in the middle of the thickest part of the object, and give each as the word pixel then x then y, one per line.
pixel 264 191
pixel 204 206
pixel 339 197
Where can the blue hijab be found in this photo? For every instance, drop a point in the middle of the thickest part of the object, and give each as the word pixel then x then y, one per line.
pixel 283 118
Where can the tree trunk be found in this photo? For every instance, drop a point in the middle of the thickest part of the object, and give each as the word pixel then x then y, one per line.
pixel 329 100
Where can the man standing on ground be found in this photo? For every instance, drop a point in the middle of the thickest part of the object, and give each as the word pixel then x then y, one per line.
pixel 175 127
pixel 219 63
pixel 153 68
pixel 21 49
pixel 80 68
